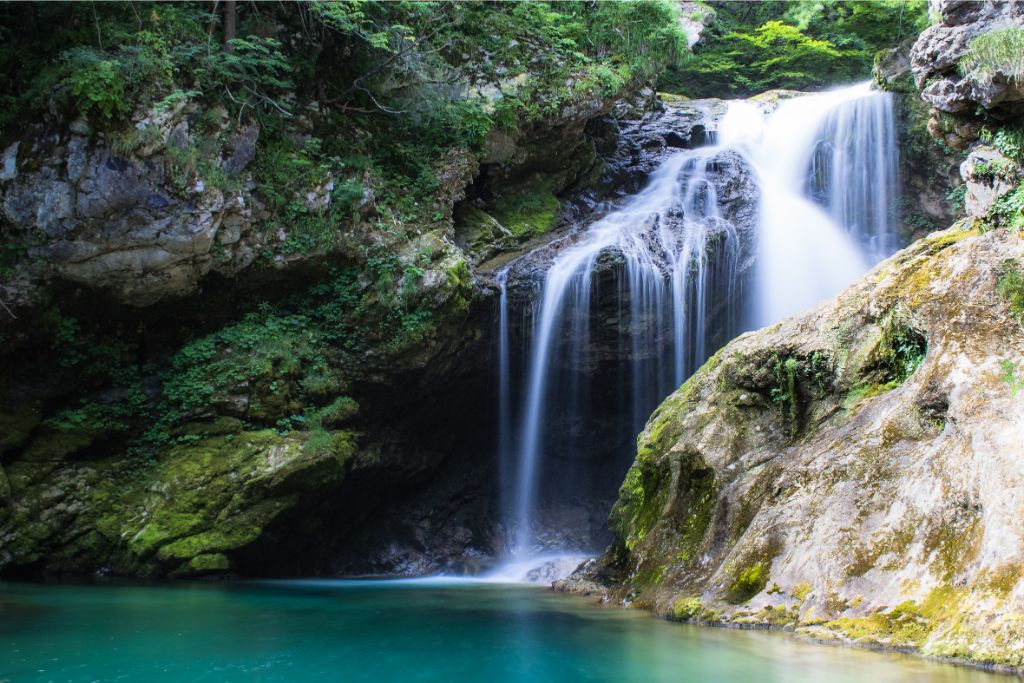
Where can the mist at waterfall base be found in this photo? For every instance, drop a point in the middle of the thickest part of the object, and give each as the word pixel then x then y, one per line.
pixel 632 305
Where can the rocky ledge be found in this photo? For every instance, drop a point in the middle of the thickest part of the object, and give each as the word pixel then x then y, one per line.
pixel 852 473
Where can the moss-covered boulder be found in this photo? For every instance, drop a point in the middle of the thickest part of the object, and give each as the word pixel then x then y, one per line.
pixel 186 513
pixel 853 472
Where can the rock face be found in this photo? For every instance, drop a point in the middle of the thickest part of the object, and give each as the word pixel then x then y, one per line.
pixel 988 175
pixel 936 56
pixel 852 472
pixel 929 170
pixel 139 224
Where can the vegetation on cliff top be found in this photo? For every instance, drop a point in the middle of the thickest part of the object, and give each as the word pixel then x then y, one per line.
pixel 750 47
pixel 388 86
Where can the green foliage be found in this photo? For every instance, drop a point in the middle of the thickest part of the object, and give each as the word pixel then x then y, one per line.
pixel 1008 211
pixel 752 47
pixel 794 380
pixel 997 52
pixel 96 84
pixel 12 254
pixel 956 198
pixel 1010 287
pixel 531 211
pixel 1007 140
pixel 254 67
pixel 1010 377
pixel 900 352
pixel 105 61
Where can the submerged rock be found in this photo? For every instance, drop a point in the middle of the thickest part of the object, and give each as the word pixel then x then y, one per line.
pixel 852 472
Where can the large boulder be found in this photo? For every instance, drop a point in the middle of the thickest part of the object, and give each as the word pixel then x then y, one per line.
pixel 190 513
pixel 852 472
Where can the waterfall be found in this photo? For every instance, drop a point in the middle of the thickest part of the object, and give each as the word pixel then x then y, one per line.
pixel 821 174
pixel 826 164
pixel 504 389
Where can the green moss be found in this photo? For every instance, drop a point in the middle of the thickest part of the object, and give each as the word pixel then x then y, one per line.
pixel 641 499
pixel 701 496
pixel 693 609
pixel 900 351
pixel 801 591
pixel 748 575
pixel 1004 579
pixel 213 562
pixel 748 582
pixel 16 427
pixel 779 616
pixel 686 608
pixel 460 285
pixel 864 558
pixel 216 494
pixel 338 412
pixel 954 541
pixel 903 626
pixel 650 577
pixel 907 625
pixel 529 210
pixel 795 381
pixel 54 444
pixel 1011 288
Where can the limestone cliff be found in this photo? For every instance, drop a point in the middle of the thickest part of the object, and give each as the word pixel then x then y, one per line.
pixel 852 472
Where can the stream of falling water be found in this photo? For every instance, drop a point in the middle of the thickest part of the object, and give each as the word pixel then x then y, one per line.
pixel 825 165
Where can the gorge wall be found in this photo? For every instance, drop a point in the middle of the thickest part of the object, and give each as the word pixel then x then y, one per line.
pixel 231 343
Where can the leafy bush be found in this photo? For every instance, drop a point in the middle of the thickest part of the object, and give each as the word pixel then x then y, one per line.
pixel 1007 140
pixel 1008 211
pixel 752 47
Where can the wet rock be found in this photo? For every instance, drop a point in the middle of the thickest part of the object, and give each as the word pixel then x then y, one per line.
pixel 892 70
pixel 186 516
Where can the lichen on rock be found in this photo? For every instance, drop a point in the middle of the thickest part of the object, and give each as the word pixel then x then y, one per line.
pixel 867 496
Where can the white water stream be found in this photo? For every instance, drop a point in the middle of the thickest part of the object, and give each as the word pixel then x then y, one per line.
pixel 825 165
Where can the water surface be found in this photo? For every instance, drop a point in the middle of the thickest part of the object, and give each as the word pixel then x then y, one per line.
pixel 397 631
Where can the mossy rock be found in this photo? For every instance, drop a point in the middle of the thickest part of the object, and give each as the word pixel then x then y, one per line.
pixel 202 500
pixel 529 209
pixel 16 427
pixel 479 233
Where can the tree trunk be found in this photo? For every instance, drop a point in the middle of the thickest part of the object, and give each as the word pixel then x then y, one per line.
pixel 230 15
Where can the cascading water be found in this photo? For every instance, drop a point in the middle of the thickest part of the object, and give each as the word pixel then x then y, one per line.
pixel 822 173
pixel 826 165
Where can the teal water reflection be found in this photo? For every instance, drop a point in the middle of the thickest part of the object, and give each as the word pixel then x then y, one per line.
pixel 396 631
